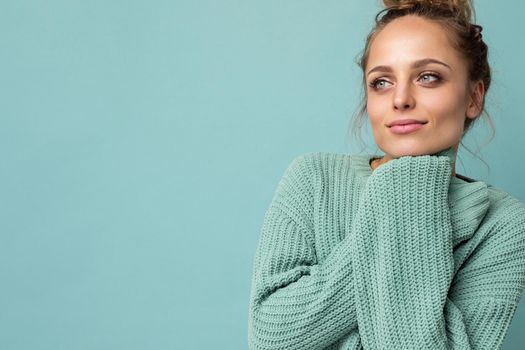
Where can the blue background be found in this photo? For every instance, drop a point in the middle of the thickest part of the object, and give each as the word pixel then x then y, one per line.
pixel 141 143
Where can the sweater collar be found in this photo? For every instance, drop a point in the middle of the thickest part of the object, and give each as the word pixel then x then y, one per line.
pixel 468 198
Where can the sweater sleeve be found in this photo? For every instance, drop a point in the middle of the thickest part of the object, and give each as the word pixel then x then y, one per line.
pixel 295 301
pixel 404 267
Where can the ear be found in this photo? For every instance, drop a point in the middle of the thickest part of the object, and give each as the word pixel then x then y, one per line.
pixel 477 92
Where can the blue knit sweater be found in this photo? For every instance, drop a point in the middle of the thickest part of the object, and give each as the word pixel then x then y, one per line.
pixel 405 256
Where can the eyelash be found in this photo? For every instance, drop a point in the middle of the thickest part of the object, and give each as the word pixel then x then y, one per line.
pixel 435 75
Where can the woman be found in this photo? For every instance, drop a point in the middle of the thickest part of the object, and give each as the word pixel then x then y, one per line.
pixel 398 251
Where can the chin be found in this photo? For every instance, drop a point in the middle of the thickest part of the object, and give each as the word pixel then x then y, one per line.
pixel 406 151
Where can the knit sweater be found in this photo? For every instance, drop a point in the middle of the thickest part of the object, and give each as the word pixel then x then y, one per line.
pixel 405 256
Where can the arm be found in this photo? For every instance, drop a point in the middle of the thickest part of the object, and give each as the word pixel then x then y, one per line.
pixel 488 288
pixel 296 302
pixel 404 267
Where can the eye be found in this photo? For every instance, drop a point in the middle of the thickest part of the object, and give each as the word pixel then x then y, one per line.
pixel 374 83
pixel 433 75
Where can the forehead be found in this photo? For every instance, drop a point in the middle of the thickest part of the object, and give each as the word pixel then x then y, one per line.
pixel 410 38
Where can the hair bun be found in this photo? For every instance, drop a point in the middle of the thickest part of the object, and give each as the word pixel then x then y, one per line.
pixel 464 8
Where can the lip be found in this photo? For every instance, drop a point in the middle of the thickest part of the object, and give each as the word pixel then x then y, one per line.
pixel 405 122
pixel 405 126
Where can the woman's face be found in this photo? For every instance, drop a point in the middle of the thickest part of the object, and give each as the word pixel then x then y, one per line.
pixel 404 84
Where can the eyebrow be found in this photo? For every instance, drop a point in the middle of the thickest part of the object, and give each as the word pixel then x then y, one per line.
pixel 416 64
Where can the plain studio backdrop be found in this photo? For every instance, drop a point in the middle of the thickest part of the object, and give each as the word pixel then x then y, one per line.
pixel 141 143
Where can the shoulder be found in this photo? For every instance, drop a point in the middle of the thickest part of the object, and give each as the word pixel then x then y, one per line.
pixel 505 208
pixel 313 174
pixel 296 191
pixel 499 248
pixel 315 164
pixel 306 171
pixel 319 158
pixel 502 230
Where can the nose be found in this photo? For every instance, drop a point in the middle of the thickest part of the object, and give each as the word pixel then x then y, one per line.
pixel 403 97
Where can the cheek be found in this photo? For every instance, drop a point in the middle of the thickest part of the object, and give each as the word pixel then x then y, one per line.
pixel 376 115
pixel 449 105
pixel 450 113
pixel 449 118
pixel 374 111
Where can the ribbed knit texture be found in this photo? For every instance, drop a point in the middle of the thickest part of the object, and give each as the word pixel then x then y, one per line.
pixel 405 256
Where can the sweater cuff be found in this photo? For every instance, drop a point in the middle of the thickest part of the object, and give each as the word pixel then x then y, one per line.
pixel 414 172
pixel 450 153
